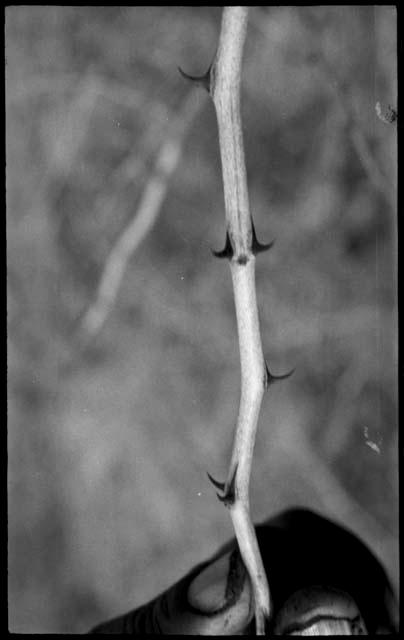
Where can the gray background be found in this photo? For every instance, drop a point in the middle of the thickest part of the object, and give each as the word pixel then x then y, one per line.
pixel 108 445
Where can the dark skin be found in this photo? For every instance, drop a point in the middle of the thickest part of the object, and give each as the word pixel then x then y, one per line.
pixel 319 574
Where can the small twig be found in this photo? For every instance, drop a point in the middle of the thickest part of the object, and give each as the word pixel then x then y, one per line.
pixel 149 207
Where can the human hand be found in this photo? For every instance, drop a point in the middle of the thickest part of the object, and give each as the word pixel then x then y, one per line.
pixel 323 581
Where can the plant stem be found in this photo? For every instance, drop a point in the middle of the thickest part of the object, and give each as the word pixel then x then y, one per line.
pixel 225 90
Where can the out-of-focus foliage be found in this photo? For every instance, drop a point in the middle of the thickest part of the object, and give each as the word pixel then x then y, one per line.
pixel 108 445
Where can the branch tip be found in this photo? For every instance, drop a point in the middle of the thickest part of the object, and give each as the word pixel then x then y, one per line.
pixel 200 81
pixel 227 252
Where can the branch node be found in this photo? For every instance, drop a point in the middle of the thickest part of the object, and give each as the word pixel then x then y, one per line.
pixel 243 259
pixel 200 81
pixel 227 252
pixel 270 378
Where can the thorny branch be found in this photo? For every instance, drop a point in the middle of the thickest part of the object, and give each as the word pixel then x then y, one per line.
pixel 223 83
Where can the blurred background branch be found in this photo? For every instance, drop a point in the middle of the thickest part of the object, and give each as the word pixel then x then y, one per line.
pixel 108 497
pixel 145 216
pixel 316 59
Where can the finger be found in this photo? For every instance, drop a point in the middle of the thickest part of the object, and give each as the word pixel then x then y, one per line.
pixel 319 610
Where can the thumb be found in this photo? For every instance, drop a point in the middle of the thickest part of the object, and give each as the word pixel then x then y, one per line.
pixel 215 598
pixel 220 597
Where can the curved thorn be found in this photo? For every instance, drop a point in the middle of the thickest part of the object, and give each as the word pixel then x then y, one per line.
pixel 227 252
pixel 232 483
pixel 223 499
pixel 202 81
pixel 271 378
pixel 229 497
pixel 218 485
pixel 256 246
